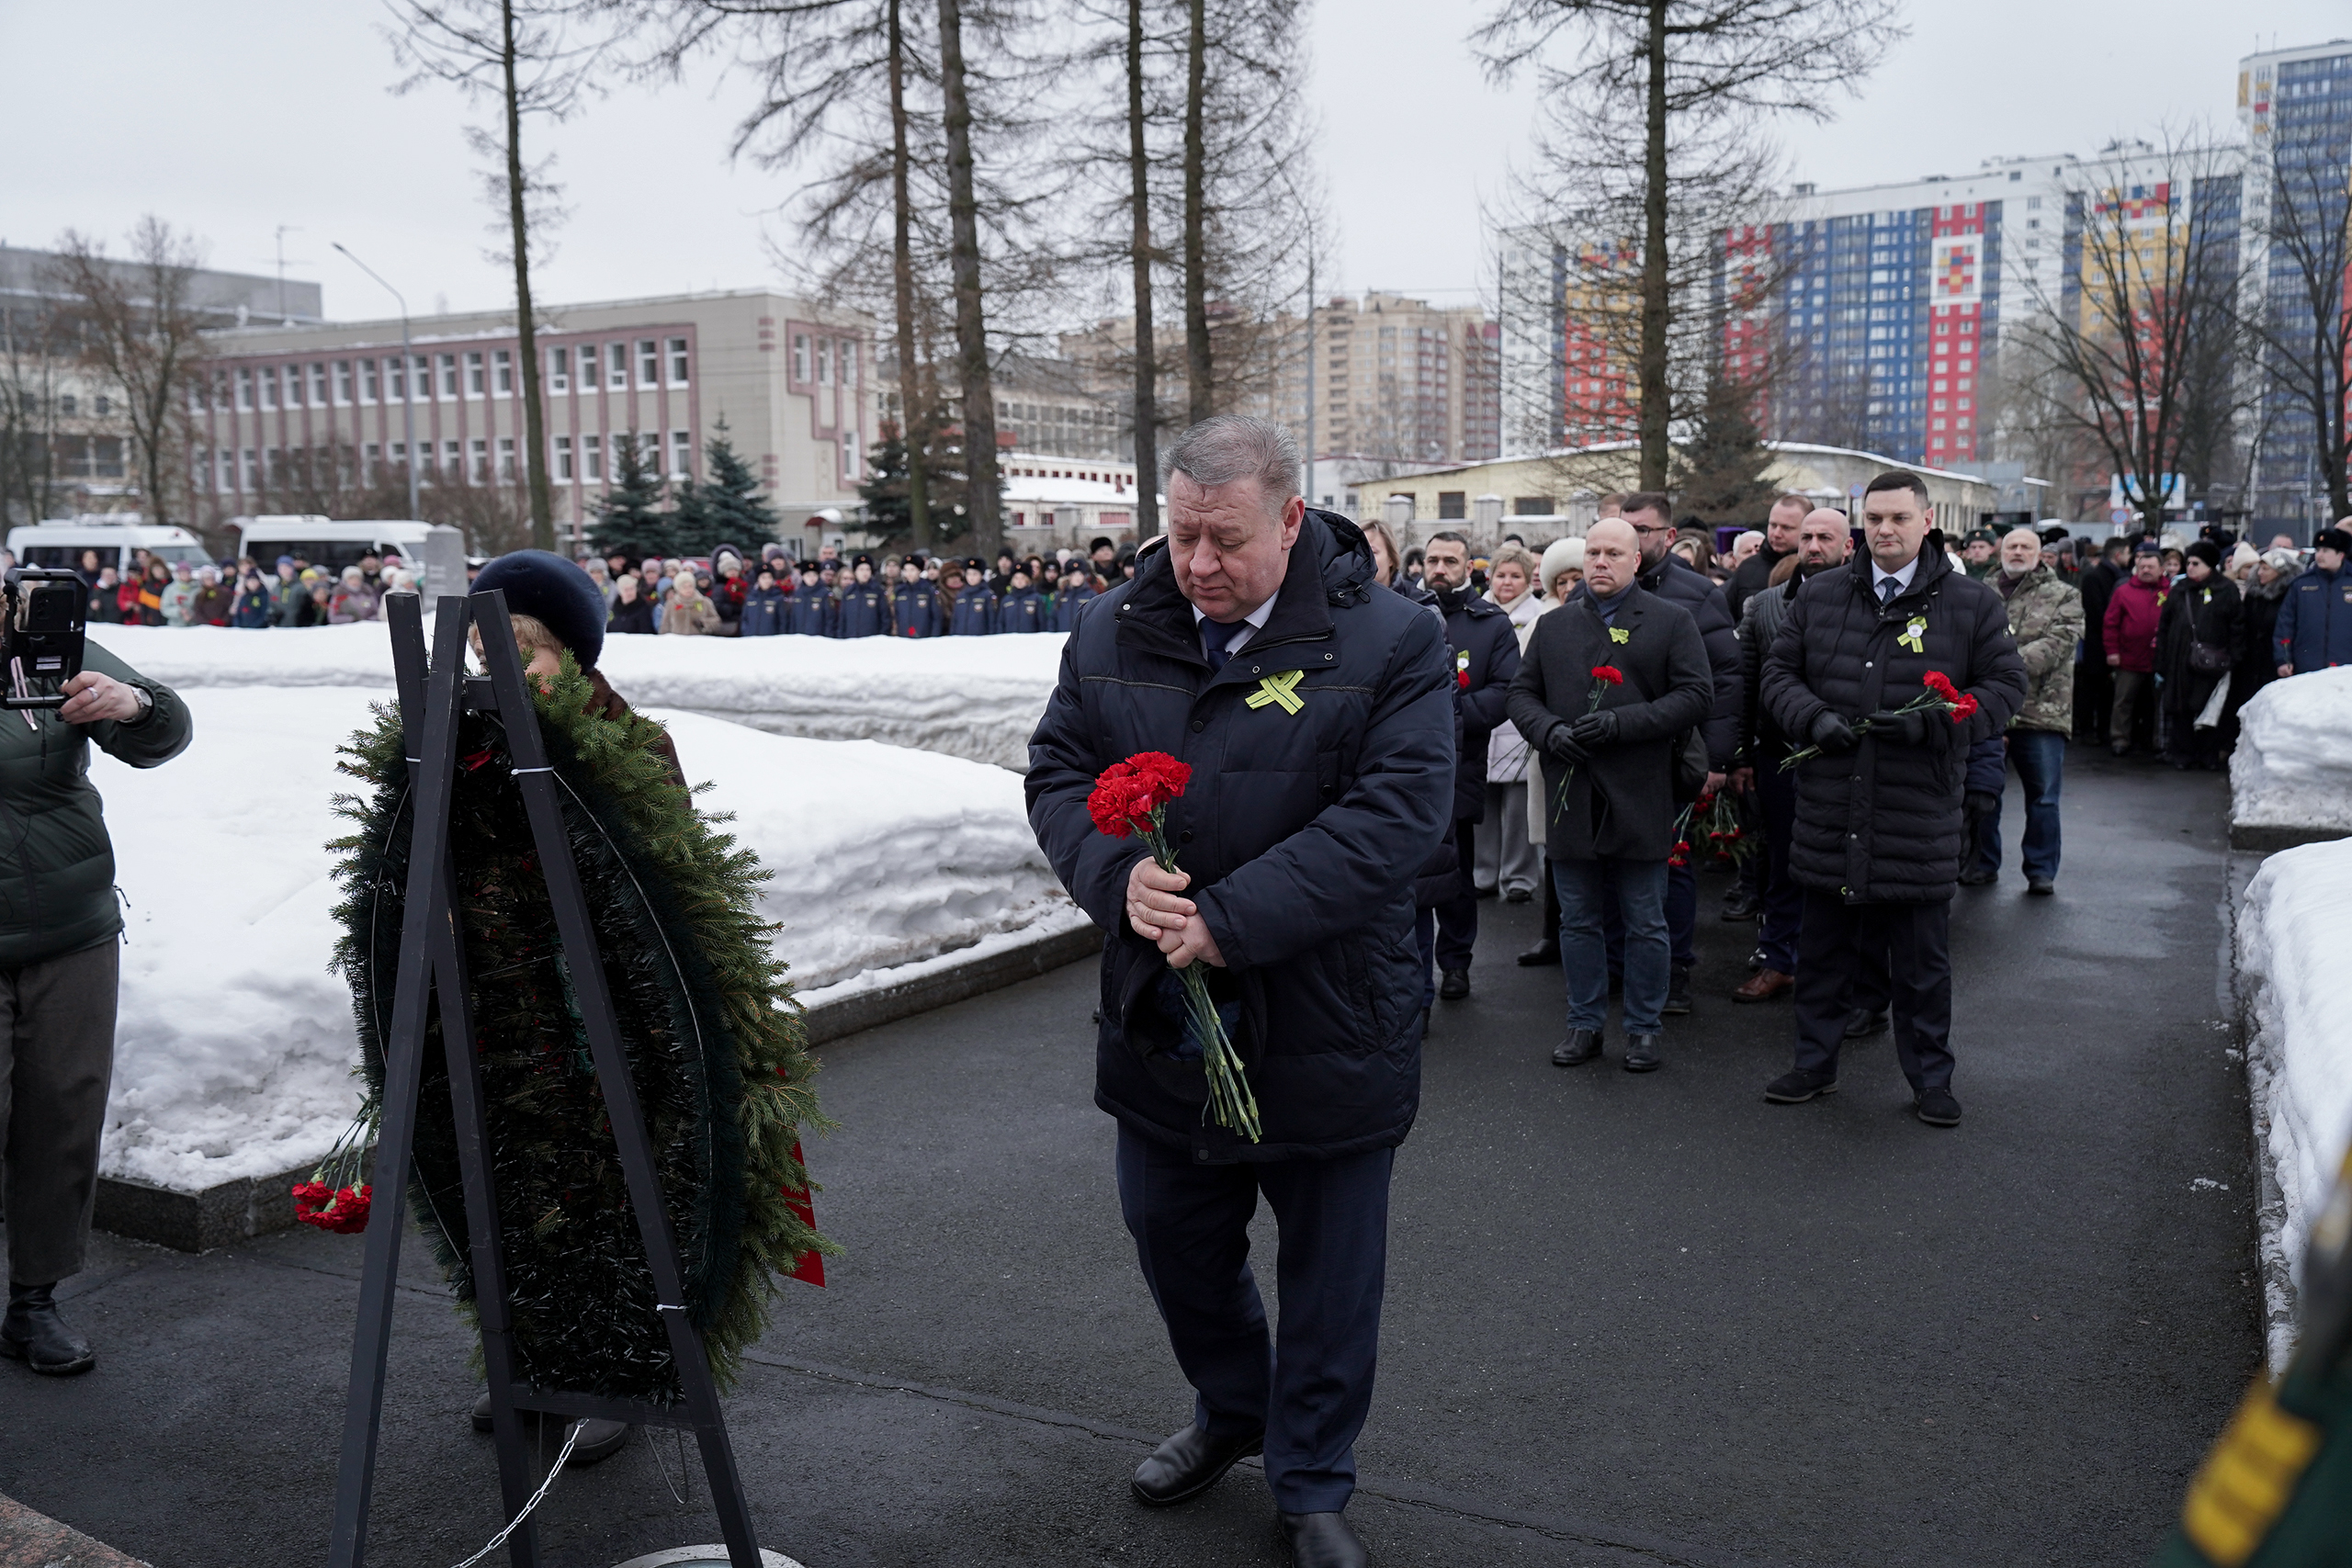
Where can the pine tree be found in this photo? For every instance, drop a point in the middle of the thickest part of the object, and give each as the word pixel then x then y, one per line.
pixel 885 489
pixel 630 517
pixel 729 510
pixel 1724 462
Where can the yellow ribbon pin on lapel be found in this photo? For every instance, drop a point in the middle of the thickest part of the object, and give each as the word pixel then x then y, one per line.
pixel 1914 632
pixel 1281 689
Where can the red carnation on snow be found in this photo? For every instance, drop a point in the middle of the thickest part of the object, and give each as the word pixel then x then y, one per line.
pixel 1608 673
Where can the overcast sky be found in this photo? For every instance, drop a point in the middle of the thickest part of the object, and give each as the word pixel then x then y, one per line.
pixel 231 121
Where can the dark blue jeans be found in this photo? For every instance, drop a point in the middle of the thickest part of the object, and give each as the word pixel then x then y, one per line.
pixel 2040 757
pixel 1310 1388
pixel 1584 888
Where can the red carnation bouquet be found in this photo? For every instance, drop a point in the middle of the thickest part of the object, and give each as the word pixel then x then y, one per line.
pixel 1718 818
pixel 1939 696
pixel 1603 677
pixel 334 1199
pixel 1130 800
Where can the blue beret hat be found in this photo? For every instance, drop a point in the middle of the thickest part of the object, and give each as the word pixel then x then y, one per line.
pixel 555 593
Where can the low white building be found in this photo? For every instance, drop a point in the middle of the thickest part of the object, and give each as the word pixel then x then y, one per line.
pixel 1063 503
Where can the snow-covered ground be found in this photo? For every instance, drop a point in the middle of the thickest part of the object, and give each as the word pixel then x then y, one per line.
pixel 2293 763
pixel 234 1048
pixel 975 697
pixel 2290 929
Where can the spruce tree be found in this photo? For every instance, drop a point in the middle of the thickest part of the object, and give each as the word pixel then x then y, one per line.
pixel 630 518
pixel 1724 460
pixel 728 510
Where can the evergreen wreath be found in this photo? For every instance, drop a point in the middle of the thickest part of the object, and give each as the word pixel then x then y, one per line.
pixel 704 1008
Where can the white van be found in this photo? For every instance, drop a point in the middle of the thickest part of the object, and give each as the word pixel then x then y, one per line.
pixel 59 541
pixel 331 546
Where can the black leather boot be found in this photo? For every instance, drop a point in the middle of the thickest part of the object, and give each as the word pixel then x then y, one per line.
pixel 1189 1463
pixel 599 1439
pixel 1321 1540
pixel 34 1334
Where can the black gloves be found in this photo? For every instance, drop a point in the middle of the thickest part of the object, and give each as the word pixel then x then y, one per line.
pixel 1833 735
pixel 1979 803
pixel 1562 744
pixel 1594 730
pixel 1903 729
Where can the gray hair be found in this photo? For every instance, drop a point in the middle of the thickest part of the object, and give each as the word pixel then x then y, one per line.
pixel 1228 446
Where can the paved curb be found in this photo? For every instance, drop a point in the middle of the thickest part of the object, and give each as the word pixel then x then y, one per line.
pixel 2278 1295
pixel 35 1541
pixel 2262 839
pixel 238 1210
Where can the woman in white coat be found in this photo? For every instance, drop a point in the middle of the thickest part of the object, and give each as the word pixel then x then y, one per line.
pixel 1505 860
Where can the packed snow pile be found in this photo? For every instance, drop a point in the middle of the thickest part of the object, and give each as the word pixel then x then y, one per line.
pixel 2294 765
pixel 2289 960
pixel 966 696
pixel 235 1044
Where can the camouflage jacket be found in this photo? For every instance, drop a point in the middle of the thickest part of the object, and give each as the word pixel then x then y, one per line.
pixel 2046 620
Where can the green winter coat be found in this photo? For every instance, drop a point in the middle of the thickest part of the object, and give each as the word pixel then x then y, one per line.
pixel 56 862
pixel 2046 621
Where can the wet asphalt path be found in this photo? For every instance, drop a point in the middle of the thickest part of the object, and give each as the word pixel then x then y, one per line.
pixel 1631 1320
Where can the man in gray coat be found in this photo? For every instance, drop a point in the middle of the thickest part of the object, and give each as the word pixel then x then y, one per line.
pixel 1609 743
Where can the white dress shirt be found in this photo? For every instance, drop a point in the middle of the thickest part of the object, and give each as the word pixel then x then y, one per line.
pixel 1252 624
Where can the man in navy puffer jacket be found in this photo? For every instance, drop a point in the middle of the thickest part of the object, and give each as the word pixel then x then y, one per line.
pixel 1316 711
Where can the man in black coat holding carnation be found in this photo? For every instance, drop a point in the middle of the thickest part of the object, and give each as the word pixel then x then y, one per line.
pixel 1610 745
pixel 1316 712
pixel 1879 836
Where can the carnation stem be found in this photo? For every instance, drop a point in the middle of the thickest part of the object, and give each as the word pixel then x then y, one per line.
pixel 1230 1099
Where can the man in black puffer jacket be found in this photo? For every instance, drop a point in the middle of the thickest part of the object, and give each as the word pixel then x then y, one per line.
pixel 1677 581
pixel 1878 836
pixel 1486 657
pixel 1316 711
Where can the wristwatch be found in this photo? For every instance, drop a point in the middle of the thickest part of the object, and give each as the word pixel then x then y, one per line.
pixel 146 704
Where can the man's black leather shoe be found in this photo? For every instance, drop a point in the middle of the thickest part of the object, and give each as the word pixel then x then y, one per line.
pixel 1454 985
pixel 34 1334
pixel 1678 992
pixel 1542 953
pixel 1642 1054
pixel 1189 1463
pixel 1794 1088
pixel 1582 1045
pixel 599 1439
pixel 1937 1108
pixel 1321 1540
pixel 1739 903
pixel 1862 1024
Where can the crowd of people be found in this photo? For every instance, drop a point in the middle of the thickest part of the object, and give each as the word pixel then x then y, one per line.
pixel 238 591
pixel 919 593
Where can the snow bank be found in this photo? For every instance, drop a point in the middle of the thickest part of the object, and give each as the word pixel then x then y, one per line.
pixel 973 697
pixel 234 1048
pixel 2294 764
pixel 2289 945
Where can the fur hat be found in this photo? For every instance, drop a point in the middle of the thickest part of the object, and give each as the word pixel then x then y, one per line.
pixel 556 594
pixel 1559 556
pixel 2335 539
pixel 2205 550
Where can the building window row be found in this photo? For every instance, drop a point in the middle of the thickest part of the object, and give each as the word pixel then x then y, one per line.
pixel 444 377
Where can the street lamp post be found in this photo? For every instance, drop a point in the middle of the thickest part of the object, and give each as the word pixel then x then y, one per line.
pixel 408 375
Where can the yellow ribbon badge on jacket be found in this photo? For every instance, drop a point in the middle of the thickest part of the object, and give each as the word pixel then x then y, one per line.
pixel 1620 634
pixel 1914 634
pixel 1281 689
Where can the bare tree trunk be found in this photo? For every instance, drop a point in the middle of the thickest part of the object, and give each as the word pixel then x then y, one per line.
pixel 914 411
pixel 1202 404
pixel 1650 367
pixel 535 437
pixel 1146 370
pixel 971 322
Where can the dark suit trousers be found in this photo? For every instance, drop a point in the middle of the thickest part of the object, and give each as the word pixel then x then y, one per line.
pixel 1311 1386
pixel 1457 918
pixel 1849 954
